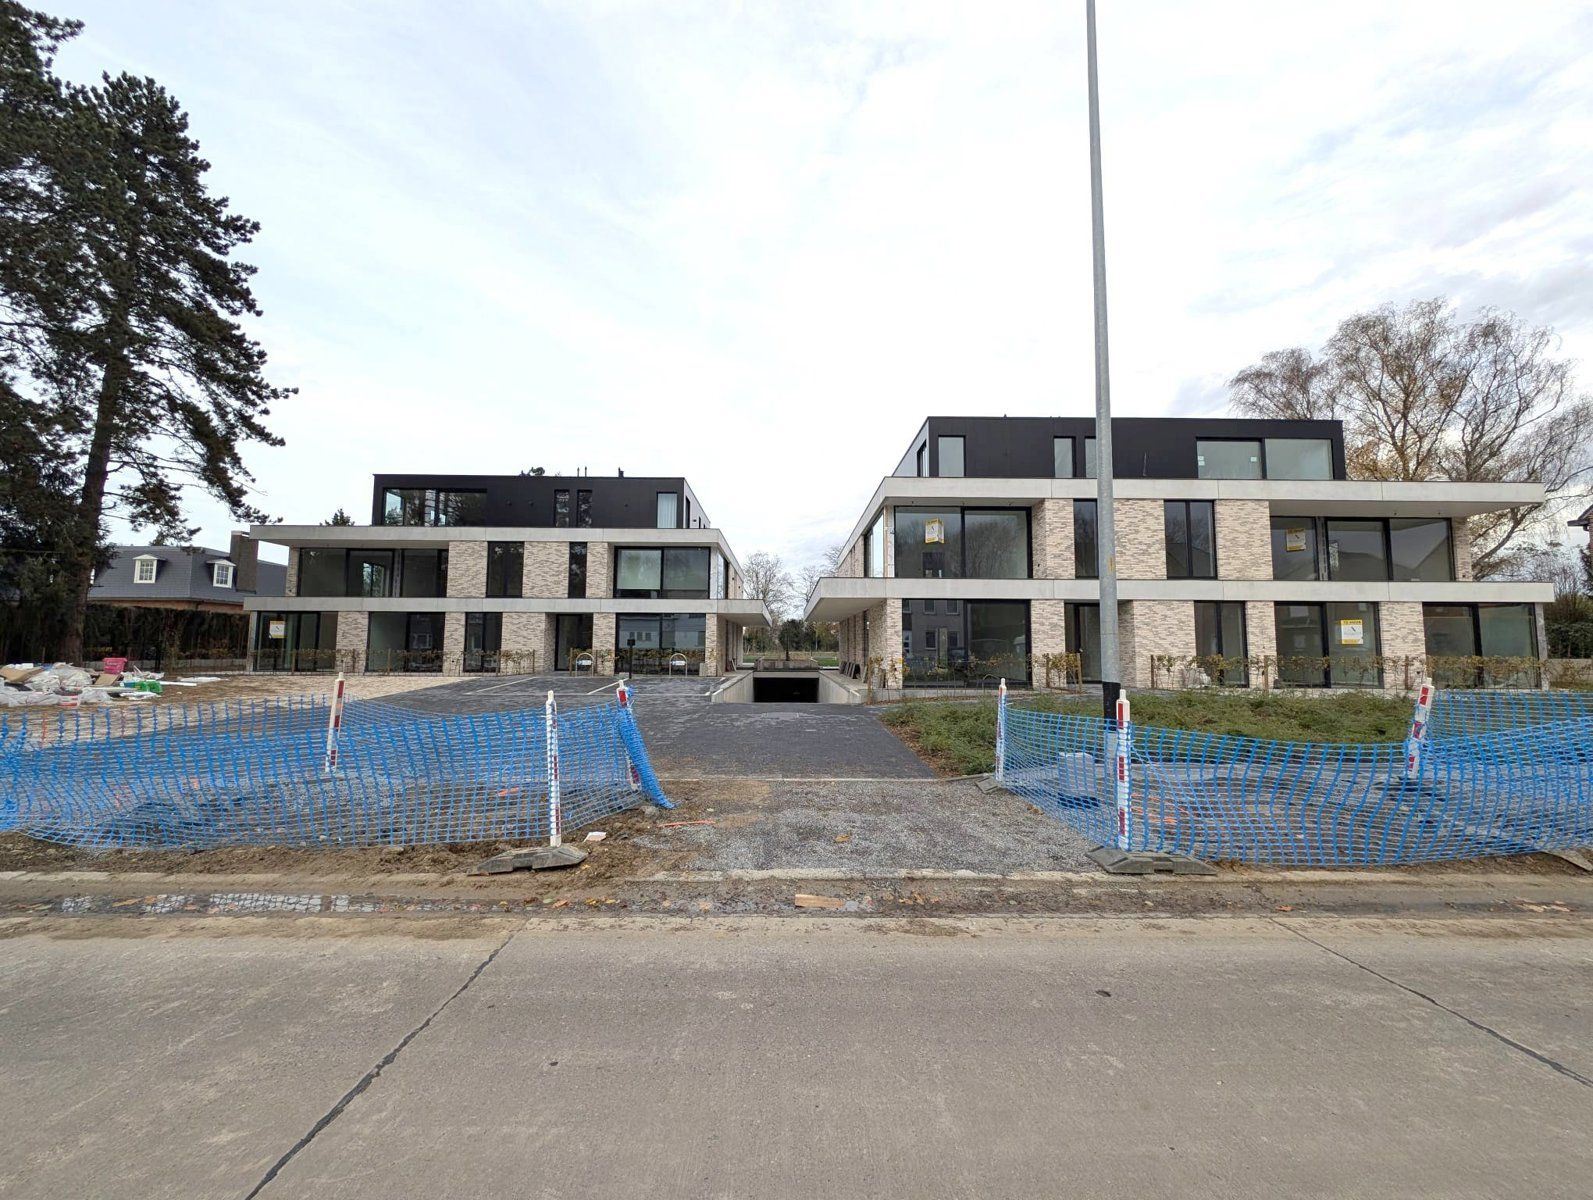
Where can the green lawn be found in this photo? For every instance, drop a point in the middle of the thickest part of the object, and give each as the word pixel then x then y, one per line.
pixel 959 737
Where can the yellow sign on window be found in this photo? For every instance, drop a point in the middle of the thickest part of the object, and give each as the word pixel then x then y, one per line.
pixel 1352 632
pixel 935 532
pixel 1294 539
pixel 277 629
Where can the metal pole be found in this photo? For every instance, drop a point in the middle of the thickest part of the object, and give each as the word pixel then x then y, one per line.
pixel 1105 524
pixel 555 808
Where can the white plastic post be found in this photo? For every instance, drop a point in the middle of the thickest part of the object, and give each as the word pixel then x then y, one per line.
pixel 1001 732
pixel 1120 762
pixel 555 808
pixel 334 724
pixel 1418 732
pixel 623 695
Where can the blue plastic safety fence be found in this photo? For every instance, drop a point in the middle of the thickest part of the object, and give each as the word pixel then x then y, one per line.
pixel 1504 773
pixel 257 773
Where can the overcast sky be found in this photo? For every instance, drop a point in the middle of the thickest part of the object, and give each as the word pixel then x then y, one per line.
pixel 757 243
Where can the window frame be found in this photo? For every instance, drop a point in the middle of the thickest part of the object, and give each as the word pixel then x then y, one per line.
pixel 962 511
pixel 1243 673
pixel 1056 446
pixel 583 508
pixel 500 588
pixel 941 440
pixel 1094 507
pixel 1324 631
pixel 1187 506
pixel 140 562
pixel 658 498
pixel 576 572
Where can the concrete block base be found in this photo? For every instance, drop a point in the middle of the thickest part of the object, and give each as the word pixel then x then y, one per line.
pixel 1121 862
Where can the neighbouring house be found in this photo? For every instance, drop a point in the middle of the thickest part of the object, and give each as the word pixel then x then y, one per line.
pixel 523 573
pixel 1584 523
pixel 153 603
pixel 1243 551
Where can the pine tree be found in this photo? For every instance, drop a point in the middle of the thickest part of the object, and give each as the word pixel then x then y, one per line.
pixel 130 314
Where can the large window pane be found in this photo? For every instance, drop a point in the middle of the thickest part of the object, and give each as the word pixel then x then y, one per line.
pixel 998 639
pixel 1293 548
pixel 874 549
pixel 1508 630
pixel 576 581
pixel 933 649
pixel 1421 549
pixel 686 572
pixel 1089 458
pixel 638 571
pixel 1299 458
pixel 1449 630
pixel 1355 551
pixel 1301 653
pixel 1352 644
pixel 461 508
pixel 505 568
pixel 1191 538
pixel 668 510
pixel 561 508
pixel 425 573
pixel 370 573
pixel 386 641
pixel 928 543
pixel 996 543
pixel 951 457
pixel 1086 554
pixel 1228 460
pixel 1084 639
pixel 1062 457
pixel 1220 641
pixel 323 573
pixel 638 633
pixel 583 507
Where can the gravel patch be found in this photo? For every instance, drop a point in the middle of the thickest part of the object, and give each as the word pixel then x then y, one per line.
pixel 875 825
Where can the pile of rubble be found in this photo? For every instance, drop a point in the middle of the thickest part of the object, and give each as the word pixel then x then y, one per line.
pixel 64 685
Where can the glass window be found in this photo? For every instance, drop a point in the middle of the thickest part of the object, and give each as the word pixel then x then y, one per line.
pixel 668 510
pixel 951 457
pixel 1191 539
pixel 1084 639
pixel 323 573
pixel 1227 460
pixel 583 508
pixel 1421 549
pixel 1356 550
pixel 577 578
pixel 1086 553
pixel 424 573
pixel 561 508
pixel 1507 630
pixel 505 568
pixel 996 543
pixel 1062 457
pixel 874 549
pixel 386 641
pixel 1450 630
pixel 1298 458
pixel 685 572
pixel 404 506
pixel 1294 548
pixel 1220 641
pixel 370 573
pixel 928 543
pixel 998 639
pixel 1353 639
pixel 1302 656
pixel 639 633
pixel 1089 458
pixel 483 640
pixel 638 572
pixel 923 460
pixel 460 508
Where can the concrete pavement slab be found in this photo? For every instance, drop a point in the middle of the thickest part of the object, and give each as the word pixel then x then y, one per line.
pixel 1215 1058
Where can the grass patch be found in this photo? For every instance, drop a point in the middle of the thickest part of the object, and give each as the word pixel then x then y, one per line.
pixel 959 737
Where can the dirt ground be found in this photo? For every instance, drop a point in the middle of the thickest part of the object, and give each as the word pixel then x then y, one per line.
pixel 262 686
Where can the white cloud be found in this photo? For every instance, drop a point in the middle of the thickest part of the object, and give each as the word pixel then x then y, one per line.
pixel 759 243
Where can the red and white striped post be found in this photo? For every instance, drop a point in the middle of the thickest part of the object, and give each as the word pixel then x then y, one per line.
pixel 1001 732
pixel 334 725
pixel 1417 737
pixel 1120 763
pixel 623 695
pixel 555 808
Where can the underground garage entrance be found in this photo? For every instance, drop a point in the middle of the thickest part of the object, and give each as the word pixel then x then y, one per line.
pixel 785 689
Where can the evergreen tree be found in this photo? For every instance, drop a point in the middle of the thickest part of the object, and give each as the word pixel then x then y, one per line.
pixel 339 518
pixel 124 301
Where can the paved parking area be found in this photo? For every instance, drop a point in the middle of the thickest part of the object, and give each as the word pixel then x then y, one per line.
pixel 689 737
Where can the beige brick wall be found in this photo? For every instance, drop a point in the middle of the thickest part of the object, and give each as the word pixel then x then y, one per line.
pixel 467 569
pixel 1244 539
pixel 291 588
pixel 1461 535
pixel 1261 635
pixel 713 638
pixel 522 633
pixel 453 642
pixel 1048 627
pixel 1155 627
pixel 1403 636
pixel 605 627
pixel 1141 539
pixel 599 570
pixel 352 631
pixel 547 570
pixel 1053 539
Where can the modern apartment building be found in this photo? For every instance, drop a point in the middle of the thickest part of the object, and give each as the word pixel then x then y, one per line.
pixel 471 573
pixel 1242 548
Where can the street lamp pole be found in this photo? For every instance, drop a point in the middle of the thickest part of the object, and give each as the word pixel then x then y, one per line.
pixel 1105 524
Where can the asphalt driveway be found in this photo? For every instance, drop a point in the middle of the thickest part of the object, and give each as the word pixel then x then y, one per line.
pixel 688 737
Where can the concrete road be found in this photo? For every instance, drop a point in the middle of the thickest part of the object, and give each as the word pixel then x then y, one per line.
pixel 792 1058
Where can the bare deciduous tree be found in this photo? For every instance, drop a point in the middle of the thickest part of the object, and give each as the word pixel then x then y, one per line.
pixel 765 577
pixel 1424 396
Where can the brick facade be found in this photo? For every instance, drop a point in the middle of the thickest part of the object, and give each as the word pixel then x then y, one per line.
pixel 1404 635
pixel 1460 532
pixel 546 574
pixel 291 586
pixel 1244 539
pixel 353 631
pixel 467 569
pixel 1141 539
pixel 1157 627
pixel 599 570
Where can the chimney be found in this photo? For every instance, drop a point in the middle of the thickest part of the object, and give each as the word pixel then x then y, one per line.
pixel 244 552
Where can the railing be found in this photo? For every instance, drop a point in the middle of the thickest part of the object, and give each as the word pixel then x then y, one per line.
pixel 1388 671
